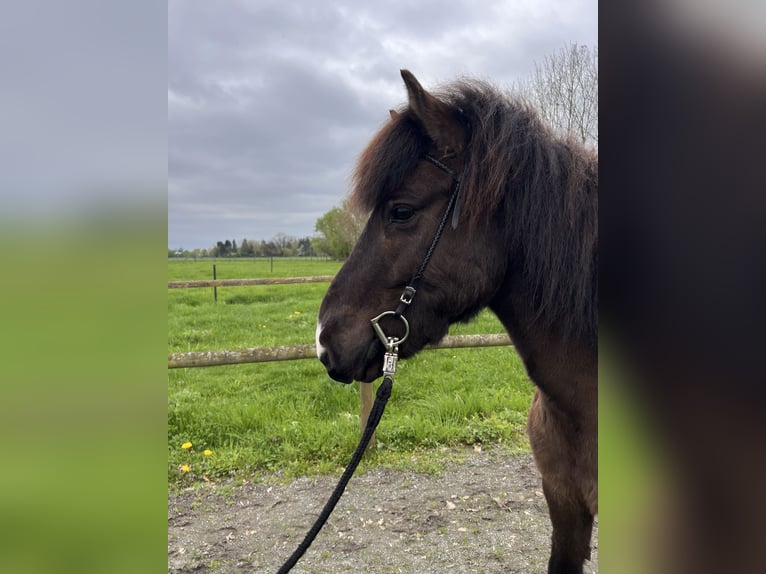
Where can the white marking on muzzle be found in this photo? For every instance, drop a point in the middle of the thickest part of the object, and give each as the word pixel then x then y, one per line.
pixel 320 348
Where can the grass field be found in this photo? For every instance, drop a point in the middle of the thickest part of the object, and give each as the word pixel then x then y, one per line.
pixel 245 268
pixel 290 418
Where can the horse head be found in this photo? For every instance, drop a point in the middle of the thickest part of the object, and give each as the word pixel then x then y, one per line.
pixel 407 180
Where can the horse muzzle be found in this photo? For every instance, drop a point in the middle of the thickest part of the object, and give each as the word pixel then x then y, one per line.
pixel 349 358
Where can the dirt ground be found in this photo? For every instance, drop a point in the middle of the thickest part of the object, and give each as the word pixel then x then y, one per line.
pixel 485 514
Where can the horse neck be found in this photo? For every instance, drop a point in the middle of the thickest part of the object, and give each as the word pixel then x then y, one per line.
pixel 564 368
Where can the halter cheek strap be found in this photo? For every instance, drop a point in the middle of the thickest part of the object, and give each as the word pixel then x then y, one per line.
pixel 454 202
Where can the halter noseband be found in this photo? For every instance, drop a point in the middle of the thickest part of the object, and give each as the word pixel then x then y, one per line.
pixel 391 344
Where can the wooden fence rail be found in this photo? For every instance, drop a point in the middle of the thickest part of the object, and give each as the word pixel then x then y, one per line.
pixel 242 282
pixel 293 352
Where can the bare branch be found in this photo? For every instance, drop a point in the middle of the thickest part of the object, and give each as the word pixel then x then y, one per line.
pixel 564 89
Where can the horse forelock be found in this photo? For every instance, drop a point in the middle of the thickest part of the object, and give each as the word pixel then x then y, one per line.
pixel 387 160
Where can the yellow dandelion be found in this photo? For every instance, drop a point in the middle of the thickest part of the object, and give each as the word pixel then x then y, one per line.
pixel 186 445
pixel 207 452
pixel 184 468
pixel 297 312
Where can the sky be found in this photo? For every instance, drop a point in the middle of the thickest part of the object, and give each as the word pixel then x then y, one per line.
pixel 270 103
pixel 82 114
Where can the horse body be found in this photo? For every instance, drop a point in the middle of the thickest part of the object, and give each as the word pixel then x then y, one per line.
pixel 563 431
pixel 525 246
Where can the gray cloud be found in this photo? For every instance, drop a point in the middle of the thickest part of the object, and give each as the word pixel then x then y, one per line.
pixel 269 103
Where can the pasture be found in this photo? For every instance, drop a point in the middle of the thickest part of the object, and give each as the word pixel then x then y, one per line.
pixel 289 418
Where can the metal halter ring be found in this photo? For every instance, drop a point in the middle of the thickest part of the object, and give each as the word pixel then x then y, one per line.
pixel 390 343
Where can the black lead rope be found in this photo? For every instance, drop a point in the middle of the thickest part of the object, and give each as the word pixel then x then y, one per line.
pixel 381 398
pixel 389 369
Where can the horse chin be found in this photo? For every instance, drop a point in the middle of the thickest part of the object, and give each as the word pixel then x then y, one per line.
pixel 366 370
pixel 340 378
pixel 372 365
pixel 370 374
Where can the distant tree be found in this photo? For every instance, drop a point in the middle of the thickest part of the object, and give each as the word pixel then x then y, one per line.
pixel 260 248
pixel 564 90
pixel 287 244
pixel 222 248
pixel 339 231
pixel 329 241
pixel 281 240
pixel 304 248
pixel 271 249
pixel 246 248
pixel 234 249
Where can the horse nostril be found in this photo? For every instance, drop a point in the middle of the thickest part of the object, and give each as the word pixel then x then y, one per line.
pixel 331 361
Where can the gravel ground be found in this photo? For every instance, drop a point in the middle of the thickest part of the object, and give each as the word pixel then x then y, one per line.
pixel 485 514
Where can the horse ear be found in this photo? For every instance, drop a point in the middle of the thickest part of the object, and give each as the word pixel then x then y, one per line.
pixel 438 118
pixel 394 114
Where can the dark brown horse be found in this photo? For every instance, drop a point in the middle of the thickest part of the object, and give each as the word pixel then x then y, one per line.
pixel 522 240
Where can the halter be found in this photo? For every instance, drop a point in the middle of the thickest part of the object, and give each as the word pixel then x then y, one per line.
pixel 405 300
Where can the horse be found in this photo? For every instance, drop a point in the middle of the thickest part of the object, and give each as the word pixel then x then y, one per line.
pixel 522 240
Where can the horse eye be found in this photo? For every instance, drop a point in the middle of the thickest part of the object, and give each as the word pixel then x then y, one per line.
pixel 401 213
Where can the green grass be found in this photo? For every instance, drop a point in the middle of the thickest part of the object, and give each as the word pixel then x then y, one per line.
pixel 290 418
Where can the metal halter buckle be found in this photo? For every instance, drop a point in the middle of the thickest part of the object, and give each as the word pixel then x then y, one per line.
pixel 390 343
pixel 389 360
pixel 407 295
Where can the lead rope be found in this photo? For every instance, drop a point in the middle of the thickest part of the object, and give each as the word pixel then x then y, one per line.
pixel 381 398
pixel 389 370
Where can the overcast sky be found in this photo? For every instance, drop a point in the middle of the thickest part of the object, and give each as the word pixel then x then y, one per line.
pixel 270 102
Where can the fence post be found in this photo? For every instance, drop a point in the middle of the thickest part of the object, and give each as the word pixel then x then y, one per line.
pixel 365 406
pixel 215 287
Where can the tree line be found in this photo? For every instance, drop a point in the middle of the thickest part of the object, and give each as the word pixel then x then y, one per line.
pixel 280 245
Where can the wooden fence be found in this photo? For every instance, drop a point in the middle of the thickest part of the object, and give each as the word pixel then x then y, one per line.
pixel 215 283
pixel 243 282
pixel 294 352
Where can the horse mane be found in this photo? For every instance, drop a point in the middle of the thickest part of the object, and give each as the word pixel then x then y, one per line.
pixel 543 186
